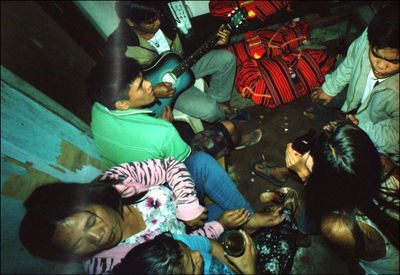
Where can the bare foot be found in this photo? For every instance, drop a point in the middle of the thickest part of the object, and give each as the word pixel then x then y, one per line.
pixel 281 173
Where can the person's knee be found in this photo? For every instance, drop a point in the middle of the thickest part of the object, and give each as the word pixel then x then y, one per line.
pixel 199 159
pixel 213 113
pixel 227 58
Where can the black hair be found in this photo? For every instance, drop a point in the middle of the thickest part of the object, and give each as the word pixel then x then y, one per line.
pixel 383 31
pixel 139 11
pixel 347 175
pixel 111 78
pixel 51 203
pixel 162 255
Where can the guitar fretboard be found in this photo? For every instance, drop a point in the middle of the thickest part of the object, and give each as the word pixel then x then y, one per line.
pixel 189 61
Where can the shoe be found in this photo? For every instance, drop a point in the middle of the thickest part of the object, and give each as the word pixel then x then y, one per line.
pixel 255 137
pixel 266 174
pixel 239 116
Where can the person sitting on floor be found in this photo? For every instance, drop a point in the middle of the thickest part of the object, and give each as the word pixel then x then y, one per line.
pixel 124 131
pixel 143 34
pixel 128 205
pixel 347 200
pixel 371 71
pixel 267 251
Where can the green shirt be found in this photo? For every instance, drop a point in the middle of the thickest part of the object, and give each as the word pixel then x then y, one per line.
pixel 134 135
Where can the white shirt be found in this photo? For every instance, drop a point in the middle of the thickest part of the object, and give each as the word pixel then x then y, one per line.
pixel 371 80
pixel 159 42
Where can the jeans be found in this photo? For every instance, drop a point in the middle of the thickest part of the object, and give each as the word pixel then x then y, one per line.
pixel 221 65
pixel 326 113
pixel 212 180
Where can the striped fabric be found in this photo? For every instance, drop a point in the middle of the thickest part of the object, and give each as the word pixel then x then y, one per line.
pixel 282 79
pixel 270 43
pixel 262 9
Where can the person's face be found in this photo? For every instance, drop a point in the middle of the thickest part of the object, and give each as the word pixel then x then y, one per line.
pixel 192 260
pixel 94 229
pixel 148 27
pixel 384 62
pixel 141 93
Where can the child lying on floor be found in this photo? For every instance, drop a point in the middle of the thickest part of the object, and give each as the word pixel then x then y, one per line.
pixel 272 250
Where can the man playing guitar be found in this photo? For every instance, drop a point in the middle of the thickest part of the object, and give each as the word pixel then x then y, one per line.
pixel 142 34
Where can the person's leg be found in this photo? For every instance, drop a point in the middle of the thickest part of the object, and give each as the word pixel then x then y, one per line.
pixel 239 139
pixel 212 180
pixel 196 103
pixel 221 65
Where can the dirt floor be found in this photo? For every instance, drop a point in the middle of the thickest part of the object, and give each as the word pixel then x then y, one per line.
pixel 280 126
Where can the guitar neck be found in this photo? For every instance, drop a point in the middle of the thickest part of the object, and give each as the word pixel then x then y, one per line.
pixel 194 57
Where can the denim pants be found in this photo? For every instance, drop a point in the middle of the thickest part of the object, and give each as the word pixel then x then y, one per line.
pixel 221 65
pixel 212 180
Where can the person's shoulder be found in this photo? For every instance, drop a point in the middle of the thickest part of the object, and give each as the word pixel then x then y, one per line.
pixel 122 36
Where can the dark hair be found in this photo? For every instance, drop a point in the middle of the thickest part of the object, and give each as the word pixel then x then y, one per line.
pixel 162 255
pixel 347 174
pixel 383 31
pixel 51 203
pixel 110 80
pixel 138 11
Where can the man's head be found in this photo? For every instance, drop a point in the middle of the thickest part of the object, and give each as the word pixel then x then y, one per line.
pixel 383 37
pixel 117 83
pixel 140 15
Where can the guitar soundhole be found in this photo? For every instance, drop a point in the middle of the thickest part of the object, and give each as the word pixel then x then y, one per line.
pixel 169 77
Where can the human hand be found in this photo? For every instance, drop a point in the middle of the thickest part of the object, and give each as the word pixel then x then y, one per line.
pixel 223 36
pixel 164 90
pixel 233 218
pixel 247 262
pixel 197 222
pixel 298 163
pixel 167 114
pixel 330 126
pixel 318 94
pixel 353 119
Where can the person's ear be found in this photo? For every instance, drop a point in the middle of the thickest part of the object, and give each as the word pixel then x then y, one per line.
pixel 122 105
pixel 129 22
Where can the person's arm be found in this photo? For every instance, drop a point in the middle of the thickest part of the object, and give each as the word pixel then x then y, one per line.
pixel 137 175
pixel 247 262
pixel 338 79
pixel 385 133
pixel 218 252
pixel 301 164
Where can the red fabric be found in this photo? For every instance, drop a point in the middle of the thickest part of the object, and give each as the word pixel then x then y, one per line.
pixel 262 9
pixel 282 79
pixel 270 43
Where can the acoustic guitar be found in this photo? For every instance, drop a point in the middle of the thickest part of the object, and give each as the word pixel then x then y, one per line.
pixel 169 67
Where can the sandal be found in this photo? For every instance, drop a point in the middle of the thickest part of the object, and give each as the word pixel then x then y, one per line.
pixel 289 196
pixel 266 175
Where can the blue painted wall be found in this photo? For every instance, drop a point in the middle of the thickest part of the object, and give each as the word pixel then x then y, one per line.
pixel 38 146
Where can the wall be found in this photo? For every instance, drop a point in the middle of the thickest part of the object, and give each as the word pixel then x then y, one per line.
pixel 102 15
pixel 37 147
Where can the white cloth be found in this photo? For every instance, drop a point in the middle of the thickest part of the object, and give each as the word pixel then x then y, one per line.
pixel 371 80
pixel 159 42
